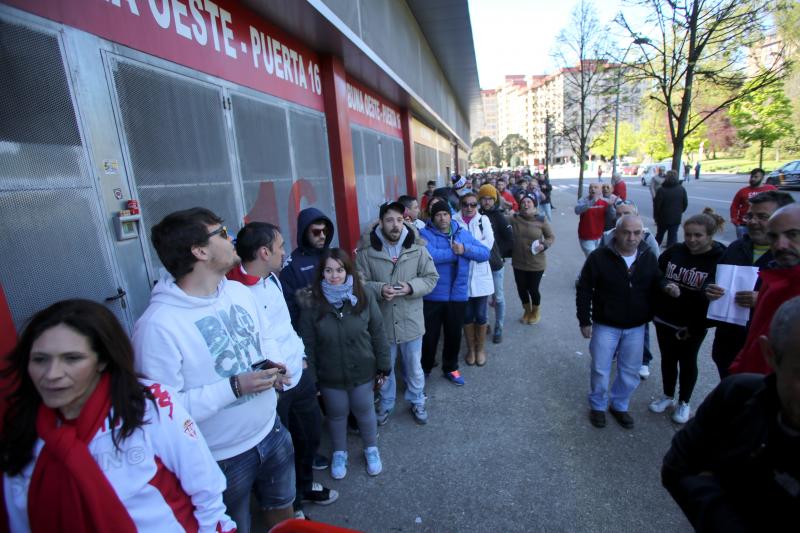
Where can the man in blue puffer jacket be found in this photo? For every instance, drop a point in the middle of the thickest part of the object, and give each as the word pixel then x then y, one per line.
pixel 452 248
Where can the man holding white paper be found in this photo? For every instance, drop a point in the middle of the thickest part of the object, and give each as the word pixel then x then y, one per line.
pixel 752 251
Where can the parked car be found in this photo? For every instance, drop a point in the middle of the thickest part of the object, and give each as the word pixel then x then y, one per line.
pixel 652 170
pixel 786 177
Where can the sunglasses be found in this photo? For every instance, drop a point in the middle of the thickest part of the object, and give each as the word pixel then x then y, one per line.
pixel 316 232
pixel 469 204
pixel 222 231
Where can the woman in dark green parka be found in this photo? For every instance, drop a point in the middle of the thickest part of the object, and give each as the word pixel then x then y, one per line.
pixel 342 329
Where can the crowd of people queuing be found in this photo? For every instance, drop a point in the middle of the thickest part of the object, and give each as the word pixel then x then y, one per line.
pixel 222 389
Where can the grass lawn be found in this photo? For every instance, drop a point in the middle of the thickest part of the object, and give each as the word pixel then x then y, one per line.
pixel 740 166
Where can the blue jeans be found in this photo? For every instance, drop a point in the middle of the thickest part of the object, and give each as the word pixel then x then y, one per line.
pixel 477 310
pixel 547 210
pixel 499 299
pixel 589 246
pixel 410 360
pixel 628 344
pixel 268 469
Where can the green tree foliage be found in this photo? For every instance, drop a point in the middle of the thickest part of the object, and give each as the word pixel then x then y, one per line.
pixel 513 148
pixel 484 153
pixel 694 41
pixel 627 141
pixel 653 136
pixel 763 117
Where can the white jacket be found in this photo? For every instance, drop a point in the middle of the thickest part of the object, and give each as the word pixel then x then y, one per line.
pixel 193 345
pixel 480 274
pixel 163 473
pixel 268 293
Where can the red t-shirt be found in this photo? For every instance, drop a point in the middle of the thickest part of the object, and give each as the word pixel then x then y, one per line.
pixel 621 190
pixel 593 221
pixel 741 202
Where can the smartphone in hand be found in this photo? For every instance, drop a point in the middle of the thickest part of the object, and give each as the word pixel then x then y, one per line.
pixel 266 364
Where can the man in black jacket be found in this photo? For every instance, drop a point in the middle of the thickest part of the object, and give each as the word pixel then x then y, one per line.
pixel 503 242
pixel 751 250
pixel 614 297
pixel 735 466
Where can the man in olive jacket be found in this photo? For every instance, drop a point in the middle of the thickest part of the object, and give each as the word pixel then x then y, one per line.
pixel 397 267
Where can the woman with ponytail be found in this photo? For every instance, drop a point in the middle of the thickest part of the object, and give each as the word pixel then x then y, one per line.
pixel 680 312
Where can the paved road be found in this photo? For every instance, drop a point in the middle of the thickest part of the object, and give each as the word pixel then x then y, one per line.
pixel 513 450
pixel 715 191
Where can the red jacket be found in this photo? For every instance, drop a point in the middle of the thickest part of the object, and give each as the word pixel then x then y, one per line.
pixel 621 190
pixel 593 221
pixel 508 197
pixel 777 286
pixel 741 201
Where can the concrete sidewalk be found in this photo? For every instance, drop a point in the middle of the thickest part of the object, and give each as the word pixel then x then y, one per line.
pixel 513 450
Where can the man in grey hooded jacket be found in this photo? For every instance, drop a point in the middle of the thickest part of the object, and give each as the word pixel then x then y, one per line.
pixel 397 266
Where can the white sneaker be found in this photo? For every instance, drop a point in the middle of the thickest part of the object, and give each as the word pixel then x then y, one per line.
pixel 659 406
pixel 681 414
pixel 644 372
pixel 374 466
pixel 339 465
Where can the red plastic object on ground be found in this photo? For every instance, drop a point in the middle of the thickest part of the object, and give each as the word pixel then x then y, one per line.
pixel 295 525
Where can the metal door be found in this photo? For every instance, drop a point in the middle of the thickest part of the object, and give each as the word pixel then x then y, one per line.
pixel 54 242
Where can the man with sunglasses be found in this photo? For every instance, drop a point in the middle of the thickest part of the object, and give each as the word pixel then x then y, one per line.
pixel 200 336
pixel 314 235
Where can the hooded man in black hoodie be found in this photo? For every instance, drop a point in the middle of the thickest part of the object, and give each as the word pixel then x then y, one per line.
pixel 314 235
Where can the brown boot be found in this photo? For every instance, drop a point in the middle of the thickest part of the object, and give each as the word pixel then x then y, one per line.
pixel 480 341
pixel 527 314
pixel 536 315
pixel 469 335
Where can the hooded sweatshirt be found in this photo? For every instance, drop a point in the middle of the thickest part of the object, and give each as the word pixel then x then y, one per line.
pixel 193 345
pixel 299 270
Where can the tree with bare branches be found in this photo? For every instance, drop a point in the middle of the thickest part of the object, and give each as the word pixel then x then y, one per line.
pixel 694 41
pixel 582 52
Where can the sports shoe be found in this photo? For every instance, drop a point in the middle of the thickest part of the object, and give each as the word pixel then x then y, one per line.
pixel 455 377
pixel 339 465
pixel 320 495
pixel 681 414
pixel 644 372
pixel 383 417
pixel 623 417
pixel 597 418
pixel 420 414
pixel 300 515
pixel 497 338
pixel 373 458
pixel 659 406
pixel 320 462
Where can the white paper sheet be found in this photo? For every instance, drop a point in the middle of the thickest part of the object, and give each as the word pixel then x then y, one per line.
pixel 732 278
pixel 534 246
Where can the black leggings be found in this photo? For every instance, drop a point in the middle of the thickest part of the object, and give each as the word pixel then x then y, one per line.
pixel 528 285
pixel 681 353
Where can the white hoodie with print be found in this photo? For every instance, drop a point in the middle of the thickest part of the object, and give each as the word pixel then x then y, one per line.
pixel 193 345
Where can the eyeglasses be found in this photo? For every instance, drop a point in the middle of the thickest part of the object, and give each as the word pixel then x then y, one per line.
pixel 222 231
pixel 316 232
pixel 763 217
pixel 470 204
pixel 623 202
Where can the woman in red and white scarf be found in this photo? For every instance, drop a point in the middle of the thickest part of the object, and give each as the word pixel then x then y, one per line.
pixel 86 446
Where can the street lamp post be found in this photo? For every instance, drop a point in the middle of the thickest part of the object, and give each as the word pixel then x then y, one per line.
pixel 638 40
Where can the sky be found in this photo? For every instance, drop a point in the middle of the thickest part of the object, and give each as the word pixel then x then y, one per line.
pixel 516 36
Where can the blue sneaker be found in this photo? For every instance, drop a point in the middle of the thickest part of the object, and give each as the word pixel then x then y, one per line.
pixel 455 378
pixel 374 466
pixel 339 465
